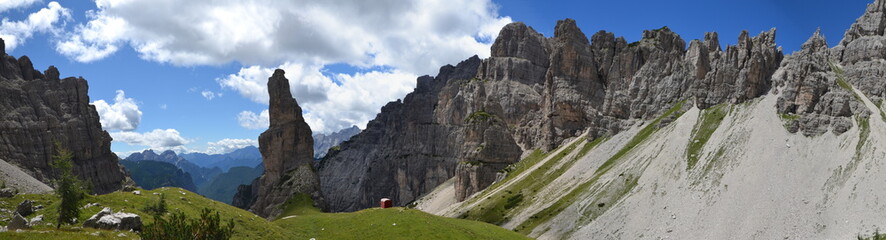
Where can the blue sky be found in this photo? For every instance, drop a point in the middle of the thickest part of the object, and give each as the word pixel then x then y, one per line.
pixel 345 59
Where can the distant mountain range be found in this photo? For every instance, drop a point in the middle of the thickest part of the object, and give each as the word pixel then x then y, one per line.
pixel 199 174
pixel 155 174
pixel 248 157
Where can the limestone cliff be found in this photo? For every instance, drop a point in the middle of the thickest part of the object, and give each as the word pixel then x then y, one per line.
pixel 40 108
pixel 287 154
pixel 536 93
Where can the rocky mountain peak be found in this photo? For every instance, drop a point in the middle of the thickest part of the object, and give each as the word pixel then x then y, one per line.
pixel 2 48
pixel 520 41
pixel 283 108
pixel 816 42
pixel 712 41
pixel 665 39
pixel 872 23
pixel 567 30
pixel 51 73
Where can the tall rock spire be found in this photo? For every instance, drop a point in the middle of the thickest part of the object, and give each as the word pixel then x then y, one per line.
pixel 287 152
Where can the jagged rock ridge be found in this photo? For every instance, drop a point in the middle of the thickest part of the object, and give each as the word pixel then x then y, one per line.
pixel 40 108
pixel 534 93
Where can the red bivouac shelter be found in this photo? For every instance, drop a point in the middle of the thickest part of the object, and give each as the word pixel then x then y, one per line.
pixel 386 203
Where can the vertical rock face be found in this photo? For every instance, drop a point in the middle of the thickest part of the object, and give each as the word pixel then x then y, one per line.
pixel 287 152
pixel 404 141
pixel 535 93
pixel 37 109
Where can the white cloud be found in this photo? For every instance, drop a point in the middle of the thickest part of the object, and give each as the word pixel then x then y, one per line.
pixel 95 40
pixel 158 139
pixel 46 20
pixel 122 115
pixel 414 36
pixel 250 120
pixel 406 38
pixel 209 95
pixel 163 106
pixel 13 4
pixel 329 106
pixel 229 145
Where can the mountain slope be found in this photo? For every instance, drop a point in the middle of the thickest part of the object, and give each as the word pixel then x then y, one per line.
pixel 150 174
pixel 368 224
pixel 799 162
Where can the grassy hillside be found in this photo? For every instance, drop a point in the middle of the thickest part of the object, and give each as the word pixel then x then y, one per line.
pixel 299 221
pixel 305 222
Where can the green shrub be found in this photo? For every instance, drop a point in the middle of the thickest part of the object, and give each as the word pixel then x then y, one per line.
pixel 479 116
pixel 178 226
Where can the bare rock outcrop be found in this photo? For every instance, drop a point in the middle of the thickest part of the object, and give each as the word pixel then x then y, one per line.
pixel 38 109
pixel 287 154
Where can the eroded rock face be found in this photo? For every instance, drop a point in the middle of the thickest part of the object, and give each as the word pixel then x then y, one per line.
pixel 406 140
pixel 541 91
pixel 488 149
pixel 287 154
pixel 38 109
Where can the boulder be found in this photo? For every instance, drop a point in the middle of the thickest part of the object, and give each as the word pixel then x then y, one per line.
pixel 36 220
pixel 7 192
pixel 106 219
pixel 25 208
pixel 18 222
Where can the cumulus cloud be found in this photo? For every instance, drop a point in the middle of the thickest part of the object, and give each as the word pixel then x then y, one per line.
pixel 250 120
pixel 414 36
pixel 158 139
pixel 46 20
pixel 95 40
pixel 405 38
pixel 122 115
pixel 13 4
pixel 229 145
pixel 331 102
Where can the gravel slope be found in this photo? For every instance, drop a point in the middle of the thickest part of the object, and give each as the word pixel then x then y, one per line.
pixel 16 178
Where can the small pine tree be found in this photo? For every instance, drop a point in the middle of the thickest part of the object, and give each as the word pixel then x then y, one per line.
pixel 158 208
pixel 69 189
pixel 178 226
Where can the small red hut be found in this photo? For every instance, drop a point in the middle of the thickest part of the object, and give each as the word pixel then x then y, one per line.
pixel 386 203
